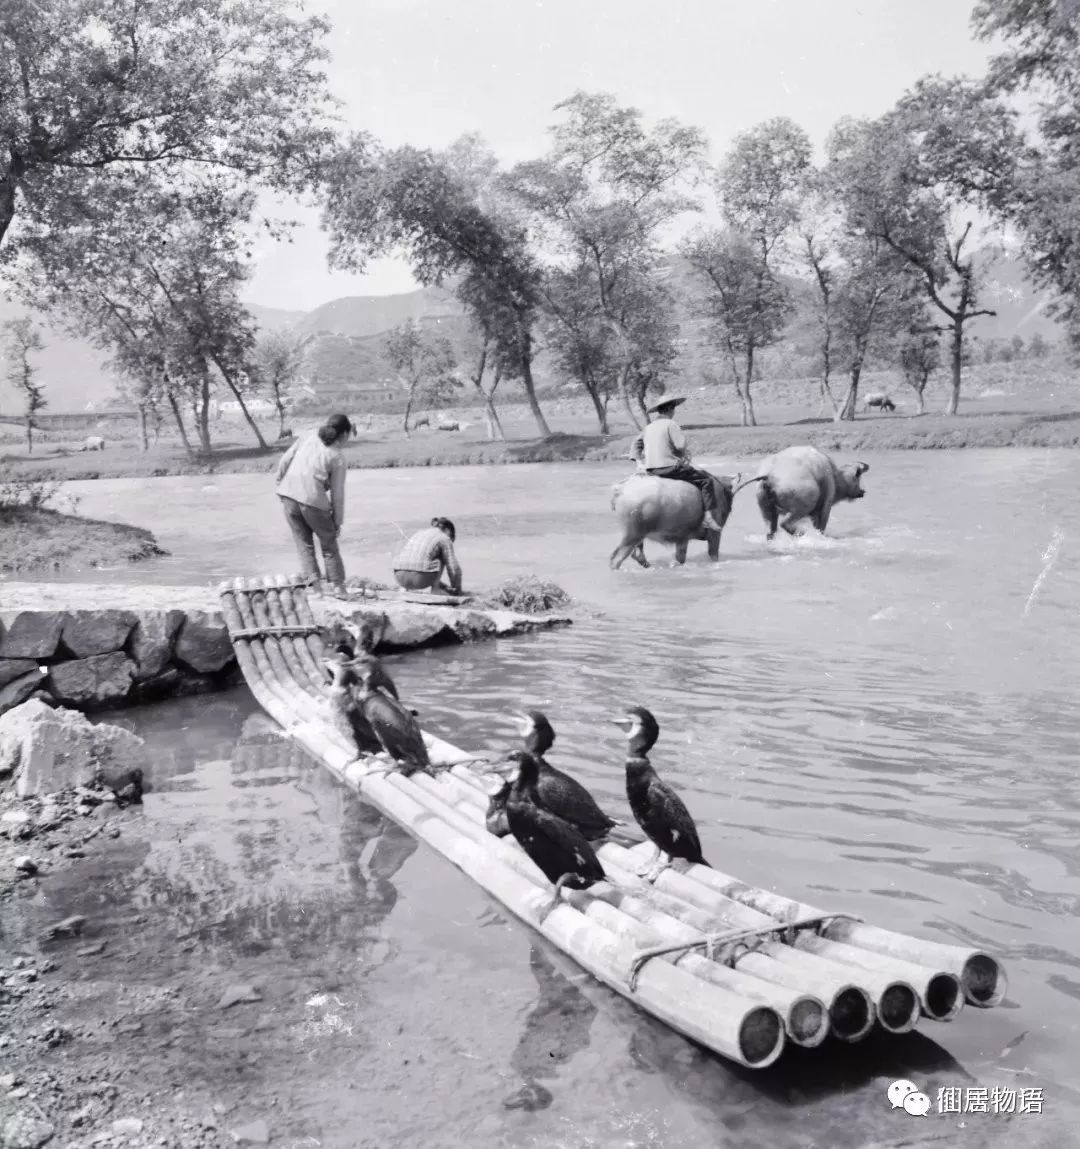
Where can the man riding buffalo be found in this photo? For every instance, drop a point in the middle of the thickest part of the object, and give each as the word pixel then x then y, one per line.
pixel 662 448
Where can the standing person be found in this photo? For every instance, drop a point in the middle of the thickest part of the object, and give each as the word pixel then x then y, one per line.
pixel 311 486
pixel 663 450
pixel 420 563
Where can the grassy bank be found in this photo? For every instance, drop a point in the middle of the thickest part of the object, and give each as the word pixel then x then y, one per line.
pixel 37 539
pixel 992 421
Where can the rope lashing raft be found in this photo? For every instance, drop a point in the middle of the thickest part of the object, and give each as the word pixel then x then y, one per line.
pixel 735 941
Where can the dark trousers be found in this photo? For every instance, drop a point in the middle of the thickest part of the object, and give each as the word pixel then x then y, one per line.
pixel 687 474
pixel 308 524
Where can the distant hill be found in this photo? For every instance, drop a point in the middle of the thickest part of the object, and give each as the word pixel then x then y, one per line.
pixel 346 352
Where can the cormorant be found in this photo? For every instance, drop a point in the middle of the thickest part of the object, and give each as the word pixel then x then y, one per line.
pixel 395 727
pixel 346 709
pixel 495 819
pixel 659 811
pixel 557 848
pixel 558 792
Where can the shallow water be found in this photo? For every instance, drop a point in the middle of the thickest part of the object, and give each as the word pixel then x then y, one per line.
pixel 881 722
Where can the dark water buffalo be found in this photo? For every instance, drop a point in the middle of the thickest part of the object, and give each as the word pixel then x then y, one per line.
pixel 803 482
pixel 667 511
pixel 879 400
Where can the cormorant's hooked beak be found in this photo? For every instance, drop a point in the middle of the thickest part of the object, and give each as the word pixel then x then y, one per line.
pixel 523 722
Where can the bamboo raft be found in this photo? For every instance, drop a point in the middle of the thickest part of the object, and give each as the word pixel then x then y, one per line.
pixel 738 969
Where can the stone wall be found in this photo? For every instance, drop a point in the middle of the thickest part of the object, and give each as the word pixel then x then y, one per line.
pixel 87 659
pixel 126 644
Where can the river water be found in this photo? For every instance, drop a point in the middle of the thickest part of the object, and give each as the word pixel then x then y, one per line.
pixel 882 722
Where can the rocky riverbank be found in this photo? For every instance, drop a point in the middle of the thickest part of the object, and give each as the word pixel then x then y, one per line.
pixel 95 647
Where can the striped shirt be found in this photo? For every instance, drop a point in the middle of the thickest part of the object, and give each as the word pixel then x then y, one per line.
pixel 314 474
pixel 429 550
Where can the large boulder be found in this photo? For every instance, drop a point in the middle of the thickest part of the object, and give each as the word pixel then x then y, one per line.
pixel 409 626
pixel 48 750
pixel 32 634
pixel 152 646
pixel 203 643
pixel 12 668
pixel 20 689
pixel 90 632
pixel 96 681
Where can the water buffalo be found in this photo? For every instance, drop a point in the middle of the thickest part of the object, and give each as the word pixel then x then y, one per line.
pixel 667 511
pixel 93 443
pixel 802 482
pixel 878 399
pixel 448 426
pixel 422 421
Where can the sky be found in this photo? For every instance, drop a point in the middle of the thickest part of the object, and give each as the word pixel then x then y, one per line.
pixel 423 72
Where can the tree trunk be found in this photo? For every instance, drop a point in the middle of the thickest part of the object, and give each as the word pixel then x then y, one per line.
pixel 29 434
pixel 624 394
pixel 920 403
pixel 180 425
pixel 957 362
pixel 847 411
pixel 202 413
pixel 281 413
pixel 142 427
pixel 495 427
pixel 227 376
pixel 408 406
pixel 748 417
pixel 601 411
pixel 527 380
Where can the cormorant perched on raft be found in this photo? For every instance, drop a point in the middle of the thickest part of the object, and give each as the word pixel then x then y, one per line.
pixel 357 642
pixel 558 792
pixel 556 847
pixel 659 811
pixel 346 709
pixel 495 819
pixel 395 727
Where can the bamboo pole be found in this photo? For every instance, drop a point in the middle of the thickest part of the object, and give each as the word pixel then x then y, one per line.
pixel 805 1018
pixel 981 976
pixel 851 1009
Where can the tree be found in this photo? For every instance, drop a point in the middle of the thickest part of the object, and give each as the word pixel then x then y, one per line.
pixel 745 302
pixel 98 94
pixel 156 280
pixel 1041 55
pixel 761 183
pixel 1038 348
pixel 279 360
pixel 913 179
pixel 425 364
pixel 21 340
pixel 480 350
pixel 918 353
pixel 411 202
pixel 599 201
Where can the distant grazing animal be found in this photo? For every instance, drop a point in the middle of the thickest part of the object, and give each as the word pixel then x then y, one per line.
pixel 447 426
pixel 285 435
pixel 878 399
pixel 667 511
pixel 93 443
pixel 803 482
pixel 423 421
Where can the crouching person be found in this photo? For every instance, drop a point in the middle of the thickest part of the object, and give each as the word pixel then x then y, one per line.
pixel 426 556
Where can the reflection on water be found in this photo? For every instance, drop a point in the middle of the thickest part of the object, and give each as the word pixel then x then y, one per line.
pixel 877 721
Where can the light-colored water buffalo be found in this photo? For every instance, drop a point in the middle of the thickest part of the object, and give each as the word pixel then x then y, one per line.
pixel 667 511
pixel 422 421
pixel 93 443
pixel 880 400
pixel 803 482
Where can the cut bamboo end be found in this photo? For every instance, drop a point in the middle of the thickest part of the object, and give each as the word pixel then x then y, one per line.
pixel 984 981
pixel 761 1036
pixel 851 1014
